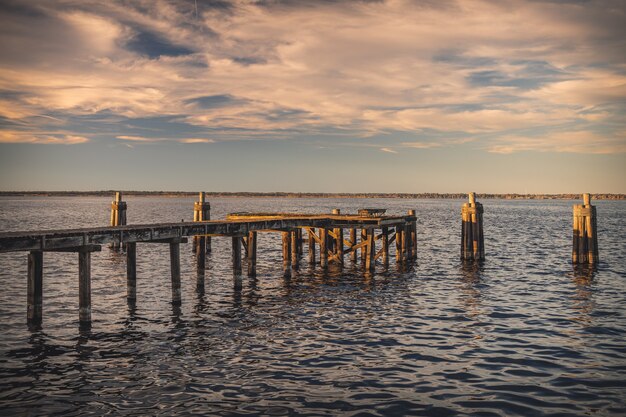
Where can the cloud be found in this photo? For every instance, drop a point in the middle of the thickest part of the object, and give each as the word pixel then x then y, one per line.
pixel 494 71
pixel 45 139
pixel 388 150
pixel 569 141
pixel 142 139
pixel 196 140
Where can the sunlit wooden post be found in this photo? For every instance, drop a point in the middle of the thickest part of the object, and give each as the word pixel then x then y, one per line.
pixel 370 255
pixel 286 250
pixel 585 238
pixel 294 249
pixel 201 213
pixel 323 247
pixel 399 245
pixel 472 238
pixel 252 254
pixel 311 232
pixel 118 215
pixel 385 246
pixel 338 246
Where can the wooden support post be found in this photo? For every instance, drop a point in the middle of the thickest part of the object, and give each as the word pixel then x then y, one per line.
pixel 323 248
pixel 131 271
pixel 364 248
pixel 118 215
pixel 311 247
pixel 338 244
pixel 385 244
pixel 353 254
pixel 404 243
pixel 585 238
pixel 34 297
pixel 84 286
pixel 399 239
pixel 201 213
pixel 472 238
pixel 300 243
pixel 236 255
pixel 286 250
pixel 175 270
pixel 200 253
pixel 370 255
pixel 252 254
pixel 294 249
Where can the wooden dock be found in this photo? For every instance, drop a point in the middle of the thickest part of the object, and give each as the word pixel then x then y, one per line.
pixel 323 233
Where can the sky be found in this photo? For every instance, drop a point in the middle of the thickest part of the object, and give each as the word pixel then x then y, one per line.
pixel 314 96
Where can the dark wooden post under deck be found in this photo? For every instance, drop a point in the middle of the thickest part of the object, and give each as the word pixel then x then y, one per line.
pixel 370 250
pixel 413 235
pixel 311 246
pixel 131 271
pixel 338 247
pixel 35 288
pixel 323 248
pixel 175 270
pixel 353 254
pixel 364 248
pixel 252 254
pixel 385 244
pixel 294 249
pixel 84 285
pixel 236 255
pixel 200 246
pixel 399 245
pixel 286 250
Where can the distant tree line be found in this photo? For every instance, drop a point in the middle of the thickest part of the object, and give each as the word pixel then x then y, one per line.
pixel 603 196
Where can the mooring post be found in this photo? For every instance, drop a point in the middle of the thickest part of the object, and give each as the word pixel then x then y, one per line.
pixel 585 240
pixel 200 246
pixel 294 249
pixel 118 215
pixel 472 237
pixel 84 286
pixel 370 258
pixel 252 254
pixel 175 270
pixel 338 249
pixel 286 250
pixel 236 255
pixel 311 232
pixel 131 271
pixel 363 248
pixel 385 246
pixel 414 233
pixel 323 248
pixel 34 297
pixel 201 212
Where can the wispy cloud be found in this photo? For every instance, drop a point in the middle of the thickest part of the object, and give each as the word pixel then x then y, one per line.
pixel 388 150
pixel 43 138
pixel 285 70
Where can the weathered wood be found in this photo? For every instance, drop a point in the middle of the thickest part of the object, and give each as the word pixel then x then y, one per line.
pixel 118 215
pixel 338 243
pixel 353 242
pixel 175 271
pixel 399 238
pixel 34 297
pixel 131 271
pixel 201 253
pixel 472 237
pixel 370 260
pixel 286 250
pixel 202 213
pixel 585 239
pixel 84 286
pixel 385 246
pixel 312 236
pixel 364 247
pixel 294 249
pixel 252 236
pixel 323 248
pixel 236 255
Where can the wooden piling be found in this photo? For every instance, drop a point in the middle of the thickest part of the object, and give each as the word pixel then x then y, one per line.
pixel 399 246
pixel 34 296
pixel 472 237
pixel 370 254
pixel 200 247
pixel 252 254
pixel 286 250
pixel 585 238
pixel 323 247
pixel 311 232
pixel 294 249
pixel 131 271
pixel 236 255
pixel 338 244
pixel 175 270
pixel 364 248
pixel 201 213
pixel 385 246
pixel 353 242
pixel 118 215
pixel 84 286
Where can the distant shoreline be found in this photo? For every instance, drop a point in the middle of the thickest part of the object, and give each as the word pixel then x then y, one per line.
pixel 512 196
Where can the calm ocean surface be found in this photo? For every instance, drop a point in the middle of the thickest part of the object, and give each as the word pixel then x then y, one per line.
pixel 525 334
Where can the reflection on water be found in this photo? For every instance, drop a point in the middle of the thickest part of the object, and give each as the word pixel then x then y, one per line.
pixel 521 334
